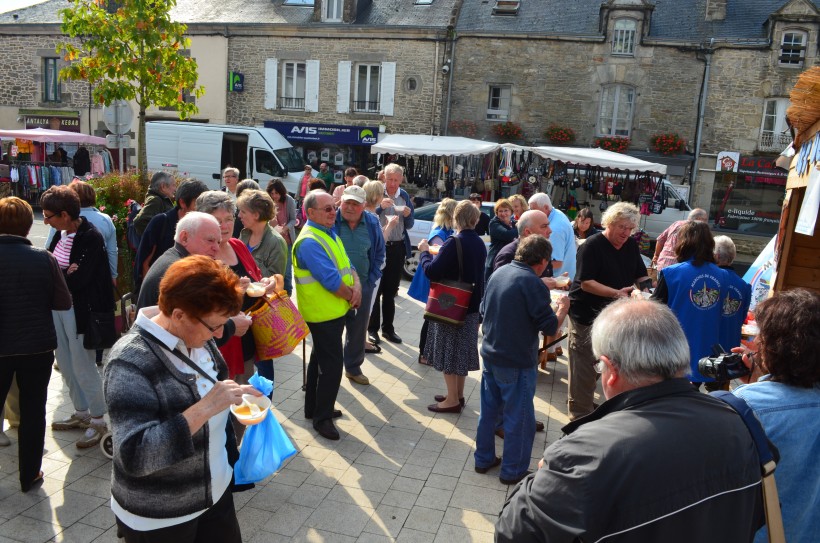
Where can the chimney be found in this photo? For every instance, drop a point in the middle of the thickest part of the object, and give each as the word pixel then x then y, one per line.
pixel 715 10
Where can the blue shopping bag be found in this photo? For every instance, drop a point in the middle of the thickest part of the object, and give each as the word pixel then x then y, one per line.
pixel 265 446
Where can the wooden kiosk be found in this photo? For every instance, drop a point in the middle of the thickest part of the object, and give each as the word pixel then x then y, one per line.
pixel 798 255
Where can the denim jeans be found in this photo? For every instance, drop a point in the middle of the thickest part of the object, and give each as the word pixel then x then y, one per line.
pixel 507 393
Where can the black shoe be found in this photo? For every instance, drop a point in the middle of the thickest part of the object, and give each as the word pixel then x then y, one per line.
pixel 391 336
pixel 326 429
pixel 373 338
pixel 336 414
pixel 496 462
pixel 514 480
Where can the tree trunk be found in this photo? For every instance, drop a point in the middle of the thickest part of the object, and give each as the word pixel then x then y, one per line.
pixel 142 155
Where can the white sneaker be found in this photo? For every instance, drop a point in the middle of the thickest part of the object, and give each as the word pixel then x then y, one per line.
pixel 92 436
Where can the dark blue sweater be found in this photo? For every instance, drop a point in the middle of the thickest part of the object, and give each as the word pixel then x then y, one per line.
pixel 515 308
pixel 445 265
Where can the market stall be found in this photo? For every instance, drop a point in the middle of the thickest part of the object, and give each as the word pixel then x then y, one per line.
pixel 35 159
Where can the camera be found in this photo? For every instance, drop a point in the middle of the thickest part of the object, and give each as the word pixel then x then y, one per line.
pixel 723 366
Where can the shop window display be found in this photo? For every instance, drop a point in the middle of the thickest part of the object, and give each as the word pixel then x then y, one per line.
pixel 748 203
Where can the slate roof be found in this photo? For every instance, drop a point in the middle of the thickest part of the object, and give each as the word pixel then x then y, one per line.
pixel 671 19
pixel 388 13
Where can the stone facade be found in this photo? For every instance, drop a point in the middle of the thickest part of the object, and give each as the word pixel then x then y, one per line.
pixel 416 111
pixel 561 82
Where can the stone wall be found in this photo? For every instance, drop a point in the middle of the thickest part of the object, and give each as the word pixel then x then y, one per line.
pixel 415 112
pixel 561 82
pixel 23 74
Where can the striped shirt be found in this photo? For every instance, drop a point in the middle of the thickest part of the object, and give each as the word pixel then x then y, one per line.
pixel 63 249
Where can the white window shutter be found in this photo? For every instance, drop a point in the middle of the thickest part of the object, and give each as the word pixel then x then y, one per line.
pixel 343 87
pixel 312 86
pixel 271 73
pixel 387 88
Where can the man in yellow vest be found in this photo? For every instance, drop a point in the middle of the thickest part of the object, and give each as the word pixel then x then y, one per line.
pixel 327 287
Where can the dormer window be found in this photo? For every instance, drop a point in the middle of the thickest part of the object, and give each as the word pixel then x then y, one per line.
pixel 793 49
pixel 623 37
pixel 333 11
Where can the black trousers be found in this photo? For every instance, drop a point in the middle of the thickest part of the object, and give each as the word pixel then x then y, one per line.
pixel 216 525
pixel 384 307
pixel 33 372
pixel 324 371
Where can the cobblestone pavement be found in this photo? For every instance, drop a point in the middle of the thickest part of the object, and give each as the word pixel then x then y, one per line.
pixel 399 472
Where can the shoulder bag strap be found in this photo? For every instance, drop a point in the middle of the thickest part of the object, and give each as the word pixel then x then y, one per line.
pixel 460 259
pixel 190 363
pixel 774 520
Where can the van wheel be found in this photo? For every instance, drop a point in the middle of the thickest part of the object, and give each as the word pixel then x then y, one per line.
pixel 411 264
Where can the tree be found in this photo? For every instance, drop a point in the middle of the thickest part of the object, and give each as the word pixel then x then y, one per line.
pixel 131 50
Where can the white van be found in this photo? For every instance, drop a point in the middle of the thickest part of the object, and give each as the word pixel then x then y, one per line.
pixel 676 208
pixel 201 151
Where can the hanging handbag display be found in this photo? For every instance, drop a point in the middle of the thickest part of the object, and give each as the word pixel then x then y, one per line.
pixel 448 300
pixel 277 326
pixel 101 332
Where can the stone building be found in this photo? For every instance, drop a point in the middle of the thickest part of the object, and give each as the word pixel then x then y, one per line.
pixel 638 68
pixel 336 72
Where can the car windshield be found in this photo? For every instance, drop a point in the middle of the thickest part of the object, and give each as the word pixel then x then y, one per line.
pixel 290 159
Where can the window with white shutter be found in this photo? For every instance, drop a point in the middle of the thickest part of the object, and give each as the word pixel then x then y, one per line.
pixel 271 84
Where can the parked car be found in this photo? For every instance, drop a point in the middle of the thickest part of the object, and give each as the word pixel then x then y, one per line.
pixel 422 228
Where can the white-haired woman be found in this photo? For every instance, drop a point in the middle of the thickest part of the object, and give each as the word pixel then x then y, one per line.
pixel 609 267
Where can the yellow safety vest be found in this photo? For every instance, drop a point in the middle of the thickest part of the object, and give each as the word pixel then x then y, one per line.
pixel 315 302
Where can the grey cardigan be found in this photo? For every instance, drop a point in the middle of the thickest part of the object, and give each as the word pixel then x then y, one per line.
pixel 272 252
pixel 160 470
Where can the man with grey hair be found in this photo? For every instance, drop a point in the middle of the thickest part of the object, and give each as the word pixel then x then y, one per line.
pixel 658 461
pixel 197 234
pixel 360 180
pixel 158 236
pixel 510 354
pixel 738 294
pixel 665 244
pixel 396 203
pixel 562 238
pixel 158 199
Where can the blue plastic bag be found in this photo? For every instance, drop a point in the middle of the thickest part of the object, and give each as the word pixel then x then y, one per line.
pixel 265 446
pixel 419 287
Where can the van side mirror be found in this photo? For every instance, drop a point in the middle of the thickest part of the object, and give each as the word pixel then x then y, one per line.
pixel 217 176
pixel 681 205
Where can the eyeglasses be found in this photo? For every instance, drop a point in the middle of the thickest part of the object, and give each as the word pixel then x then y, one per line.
pixel 326 209
pixel 211 329
pixel 230 175
pixel 49 217
pixel 226 220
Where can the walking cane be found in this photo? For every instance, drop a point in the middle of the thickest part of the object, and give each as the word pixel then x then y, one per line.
pixel 304 371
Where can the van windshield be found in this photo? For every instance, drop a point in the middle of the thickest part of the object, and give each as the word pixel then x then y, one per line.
pixel 290 159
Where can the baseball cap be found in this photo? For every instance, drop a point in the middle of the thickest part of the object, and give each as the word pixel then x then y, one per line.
pixel 354 192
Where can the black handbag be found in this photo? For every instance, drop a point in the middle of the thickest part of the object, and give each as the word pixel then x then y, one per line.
pixel 100 332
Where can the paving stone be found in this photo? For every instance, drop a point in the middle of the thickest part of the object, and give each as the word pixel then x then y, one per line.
pixel 407 484
pixel 484 500
pixel 435 498
pixel 288 519
pixel 78 533
pixel 29 530
pixel 448 533
pixel 408 535
pixel 355 496
pixel 473 520
pixel 387 520
pixel 424 519
pixel 64 508
pixel 368 478
pixel 340 518
pixel 101 517
pixel 308 495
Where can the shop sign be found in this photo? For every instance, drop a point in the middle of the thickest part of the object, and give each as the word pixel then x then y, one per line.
pixel 727 161
pixel 326 133
pixel 236 82
pixel 760 167
pixel 68 124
